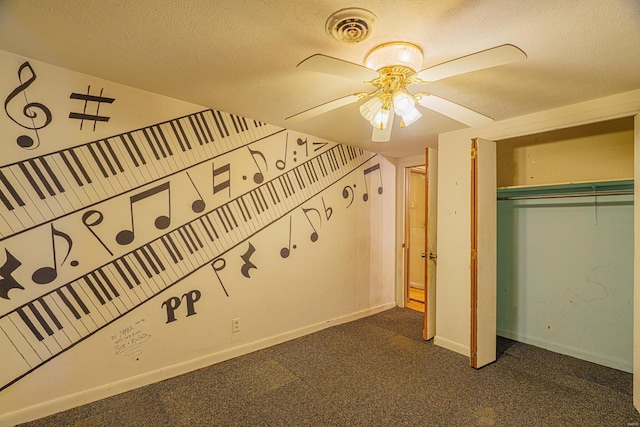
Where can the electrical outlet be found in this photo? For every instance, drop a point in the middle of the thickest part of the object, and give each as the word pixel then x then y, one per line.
pixel 235 325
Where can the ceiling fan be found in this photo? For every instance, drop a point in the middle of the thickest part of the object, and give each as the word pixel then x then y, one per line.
pixel 393 67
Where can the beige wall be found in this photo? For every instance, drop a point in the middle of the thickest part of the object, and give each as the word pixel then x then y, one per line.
pixel 589 153
pixel 346 271
pixel 416 227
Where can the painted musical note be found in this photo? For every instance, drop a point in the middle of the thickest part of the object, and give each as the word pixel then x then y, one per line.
pixel 318 146
pixel 281 164
pixel 248 265
pixel 221 264
pixel 300 142
pixel 368 171
pixel 224 169
pixel 198 205
pixel 36 114
pixel 98 99
pixel 286 251
pixel 348 193
pixel 47 274
pixel 126 236
pixel 89 223
pixel 258 177
pixel 314 234
pixel 328 211
pixel 7 282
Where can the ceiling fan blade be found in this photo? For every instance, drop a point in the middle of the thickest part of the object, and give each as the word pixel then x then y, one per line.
pixel 493 57
pixel 455 111
pixel 329 65
pixel 385 134
pixel 323 108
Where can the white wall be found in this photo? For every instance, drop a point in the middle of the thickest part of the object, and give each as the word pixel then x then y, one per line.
pixel 345 272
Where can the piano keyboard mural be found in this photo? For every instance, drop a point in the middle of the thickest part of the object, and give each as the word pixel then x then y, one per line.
pixel 91 231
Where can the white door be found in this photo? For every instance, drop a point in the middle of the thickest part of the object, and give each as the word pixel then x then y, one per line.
pixel 483 252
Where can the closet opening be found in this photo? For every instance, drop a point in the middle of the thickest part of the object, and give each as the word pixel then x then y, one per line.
pixel 565 241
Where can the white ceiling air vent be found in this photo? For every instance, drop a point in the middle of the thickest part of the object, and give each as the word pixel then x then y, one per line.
pixel 351 25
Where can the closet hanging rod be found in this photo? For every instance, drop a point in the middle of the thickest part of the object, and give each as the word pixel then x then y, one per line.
pixel 560 195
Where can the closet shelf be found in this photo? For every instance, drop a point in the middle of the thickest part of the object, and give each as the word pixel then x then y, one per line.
pixel 582 189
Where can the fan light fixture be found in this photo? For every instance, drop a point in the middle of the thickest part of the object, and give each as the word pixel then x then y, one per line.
pixel 391 68
pixel 397 64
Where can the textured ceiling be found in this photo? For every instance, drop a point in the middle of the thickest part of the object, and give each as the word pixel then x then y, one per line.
pixel 240 56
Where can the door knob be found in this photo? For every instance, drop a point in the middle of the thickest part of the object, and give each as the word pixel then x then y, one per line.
pixel 431 255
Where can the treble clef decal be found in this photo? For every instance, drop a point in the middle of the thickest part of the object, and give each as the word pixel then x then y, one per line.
pixel 33 111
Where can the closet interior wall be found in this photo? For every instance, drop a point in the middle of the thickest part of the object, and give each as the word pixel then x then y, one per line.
pixel 565 241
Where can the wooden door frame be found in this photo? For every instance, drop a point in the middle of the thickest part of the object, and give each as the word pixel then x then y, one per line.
pixel 425 254
pixel 636 263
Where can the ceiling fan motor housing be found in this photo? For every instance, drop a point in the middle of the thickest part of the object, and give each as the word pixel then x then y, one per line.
pixel 400 54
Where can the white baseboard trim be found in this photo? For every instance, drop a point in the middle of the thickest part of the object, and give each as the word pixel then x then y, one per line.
pixel 622 365
pixel 451 345
pixel 73 400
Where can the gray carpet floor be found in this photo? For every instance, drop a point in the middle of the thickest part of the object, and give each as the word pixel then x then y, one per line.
pixel 375 371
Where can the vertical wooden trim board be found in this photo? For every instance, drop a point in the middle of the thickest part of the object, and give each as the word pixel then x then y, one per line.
pixel 636 257
pixel 473 343
pixel 406 243
pixel 431 241
pixel 425 329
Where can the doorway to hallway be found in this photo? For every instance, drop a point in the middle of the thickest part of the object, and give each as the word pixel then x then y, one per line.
pixel 415 223
pixel 420 239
